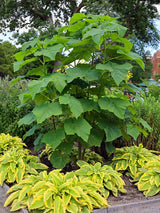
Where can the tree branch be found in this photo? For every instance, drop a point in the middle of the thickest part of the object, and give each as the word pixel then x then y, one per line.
pixel 77 10
pixel 40 15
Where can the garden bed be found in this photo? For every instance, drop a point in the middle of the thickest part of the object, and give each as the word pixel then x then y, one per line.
pixel 133 201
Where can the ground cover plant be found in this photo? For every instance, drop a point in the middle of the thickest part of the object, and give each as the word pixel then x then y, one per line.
pixel 77 101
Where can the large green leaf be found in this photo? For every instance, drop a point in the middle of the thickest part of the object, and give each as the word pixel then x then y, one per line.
pixel 50 51
pixel 132 130
pixel 18 64
pixel 111 128
pixel 44 111
pixel 37 86
pixel 82 71
pixel 118 71
pixel 58 159
pixel 54 137
pixel 77 126
pixel 95 137
pixel 31 131
pixel 27 119
pixel 76 17
pixel 132 56
pixel 74 104
pixel 115 105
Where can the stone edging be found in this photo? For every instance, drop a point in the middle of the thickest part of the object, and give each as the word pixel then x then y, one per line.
pixel 5 187
pixel 147 206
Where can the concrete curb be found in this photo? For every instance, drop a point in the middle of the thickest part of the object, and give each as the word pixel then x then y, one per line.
pixel 5 188
pixel 147 206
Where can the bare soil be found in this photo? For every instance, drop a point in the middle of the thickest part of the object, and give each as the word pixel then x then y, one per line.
pixel 132 194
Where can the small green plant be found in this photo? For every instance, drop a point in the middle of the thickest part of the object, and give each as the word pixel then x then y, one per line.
pixel 129 159
pixel 56 193
pixel 104 175
pixel 15 164
pixel 148 178
pixel 8 142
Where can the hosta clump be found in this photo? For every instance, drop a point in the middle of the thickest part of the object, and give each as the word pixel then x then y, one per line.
pixel 149 178
pixel 104 175
pixel 7 142
pixel 129 159
pixel 56 193
pixel 15 164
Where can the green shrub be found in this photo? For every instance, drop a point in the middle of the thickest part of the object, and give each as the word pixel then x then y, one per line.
pixel 154 91
pixel 149 110
pixel 9 114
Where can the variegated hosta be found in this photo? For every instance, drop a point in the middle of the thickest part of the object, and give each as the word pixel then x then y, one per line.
pixel 104 175
pixel 149 178
pixel 16 163
pixel 7 142
pixel 131 158
pixel 56 193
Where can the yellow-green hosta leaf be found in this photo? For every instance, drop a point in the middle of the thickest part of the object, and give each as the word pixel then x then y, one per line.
pixel 20 174
pixel 3 175
pixel 11 176
pixel 74 193
pixel 48 200
pixel 144 185
pixel 72 208
pixel 57 204
pixel 133 169
pixel 109 185
pixel 157 180
pixel 16 205
pixel 23 192
pixel 11 198
pixel 13 166
pixel 66 199
pixel 99 198
pixel 37 203
pixel 153 190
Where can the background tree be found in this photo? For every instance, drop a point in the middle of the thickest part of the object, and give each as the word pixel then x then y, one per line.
pixel 7 51
pixel 137 16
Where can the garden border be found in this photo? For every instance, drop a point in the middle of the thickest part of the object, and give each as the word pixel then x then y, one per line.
pixel 146 206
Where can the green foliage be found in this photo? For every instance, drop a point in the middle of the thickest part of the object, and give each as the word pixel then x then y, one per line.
pixel 9 113
pixel 149 110
pixel 7 51
pixel 154 91
pixel 149 178
pixel 16 163
pixel 129 159
pixel 157 76
pixel 75 102
pixel 56 192
pixel 104 175
pixel 7 142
